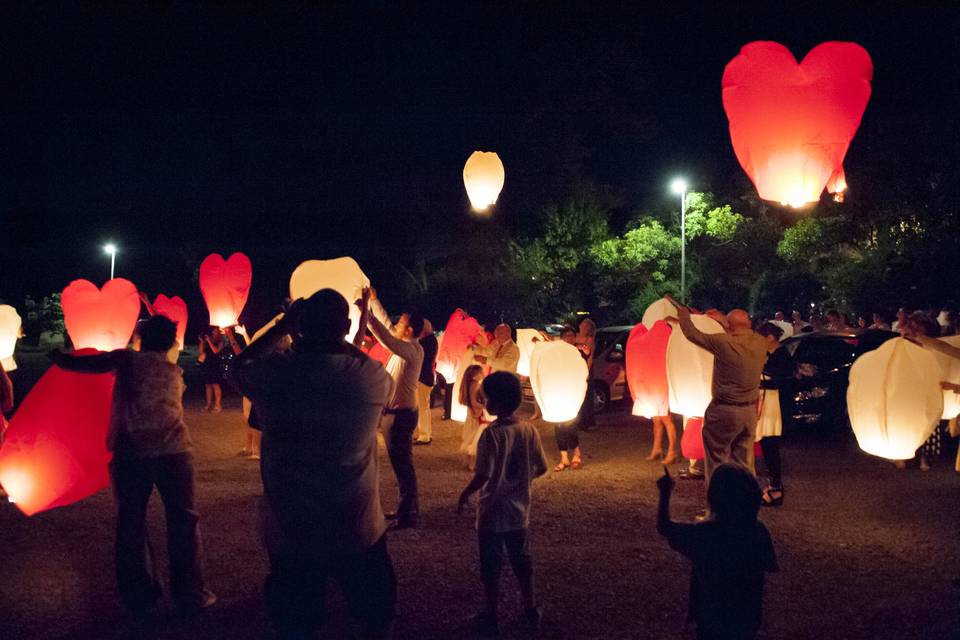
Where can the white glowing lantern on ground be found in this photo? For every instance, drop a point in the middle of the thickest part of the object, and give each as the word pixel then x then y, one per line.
pixel 659 310
pixel 558 376
pixel 527 339
pixel 690 369
pixel 483 176
pixel 894 399
pixel 9 332
pixel 949 372
pixel 343 275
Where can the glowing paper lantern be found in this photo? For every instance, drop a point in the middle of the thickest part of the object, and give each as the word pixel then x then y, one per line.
pixel 949 372
pixel 483 177
pixel 659 310
pixel 225 285
pixel 894 399
pixel 526 340
pixel 9 332
pixel 784 326
pixel 461 332
pixel 175 309
pixel 343 275
pixel 558 376
pixel 102 319
pixel 691 442
pixel 55 448
pixel 380 353
pixel 690 369
pixel 647 369
pixel 790 123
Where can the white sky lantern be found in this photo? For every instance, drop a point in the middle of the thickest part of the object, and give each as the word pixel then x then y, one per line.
pixel 343 275
pixel 526 340
pixel 785 326
pixel 483 177
pixel 659 310
pixel 458 410
pixel 690 369
pixel 9 332
pixel 558 376
pixel 949 372
pixel 894 399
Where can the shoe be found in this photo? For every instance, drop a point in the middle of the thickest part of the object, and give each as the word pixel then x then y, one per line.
pixel 654 455
pixel 404 522
pixel 532 618
pixel 670 459
pixel 486 625
pixel 422 442
pixel 703 515
pixel 771 497
pixel 684 474
pixel 203 600
pixel 577 464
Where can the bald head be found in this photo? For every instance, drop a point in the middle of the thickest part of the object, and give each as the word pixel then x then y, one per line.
pixel 503 333
pixel 738 320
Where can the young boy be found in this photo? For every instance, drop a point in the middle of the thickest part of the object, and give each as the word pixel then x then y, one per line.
pixel 509 456
pixel 150 446
pixel 730 553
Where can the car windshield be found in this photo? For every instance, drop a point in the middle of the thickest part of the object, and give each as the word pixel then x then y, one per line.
pixel 826 353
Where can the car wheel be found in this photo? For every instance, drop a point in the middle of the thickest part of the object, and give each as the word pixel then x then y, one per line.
pixel 601 396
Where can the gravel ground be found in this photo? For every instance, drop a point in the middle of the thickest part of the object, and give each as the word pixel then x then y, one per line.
pixel 866 550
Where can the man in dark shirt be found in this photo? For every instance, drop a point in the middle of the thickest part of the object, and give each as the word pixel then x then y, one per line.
pixel 428 341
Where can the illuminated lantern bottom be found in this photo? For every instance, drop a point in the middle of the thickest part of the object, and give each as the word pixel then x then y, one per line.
pixel 55 450
pixel 691 443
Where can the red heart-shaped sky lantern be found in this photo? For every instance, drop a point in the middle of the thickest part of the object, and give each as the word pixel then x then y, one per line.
pixel 647 369
pixel 791 124
pixel 225 285
pixel 175 309
pixel 102 319
pixel 461 331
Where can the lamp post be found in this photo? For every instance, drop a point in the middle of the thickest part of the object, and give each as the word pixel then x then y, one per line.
pixel 679 186
pixel 111 249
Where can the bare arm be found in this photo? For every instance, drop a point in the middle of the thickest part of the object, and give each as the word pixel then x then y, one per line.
pixel 938 345
pixel 364 304
pixel 402 348
pixel 475 483
pixel 691 332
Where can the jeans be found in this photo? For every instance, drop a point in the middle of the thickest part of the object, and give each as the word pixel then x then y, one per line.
pixel 133 482
pixel 399 438
pixel 296 591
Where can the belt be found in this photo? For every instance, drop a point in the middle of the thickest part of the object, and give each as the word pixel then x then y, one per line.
pixel 749 403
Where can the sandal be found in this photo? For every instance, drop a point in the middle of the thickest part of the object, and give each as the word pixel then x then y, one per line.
pixel 577 464
pixel 653 456
pixel 670 459
pixel 772 497
pixel 560 466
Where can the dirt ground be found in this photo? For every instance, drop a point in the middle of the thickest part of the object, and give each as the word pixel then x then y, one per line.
pixel 866 550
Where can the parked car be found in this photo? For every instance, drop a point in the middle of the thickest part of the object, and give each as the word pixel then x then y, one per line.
pixel 608 375
pixel 817 394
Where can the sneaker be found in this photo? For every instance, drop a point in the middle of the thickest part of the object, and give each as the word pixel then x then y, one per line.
pixel 486 625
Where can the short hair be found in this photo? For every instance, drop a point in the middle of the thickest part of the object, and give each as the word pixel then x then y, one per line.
pixel 924 324
pixel 468 376
pixel 502 390
pixel 415 322
pixel 770 329
pixel 157 333
pixel 325 316
pixel 733 494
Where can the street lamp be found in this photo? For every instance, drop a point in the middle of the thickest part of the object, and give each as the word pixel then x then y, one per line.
pixel 111 249
pixel 679 187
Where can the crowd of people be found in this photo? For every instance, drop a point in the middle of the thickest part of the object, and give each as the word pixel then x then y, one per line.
pixel 314 404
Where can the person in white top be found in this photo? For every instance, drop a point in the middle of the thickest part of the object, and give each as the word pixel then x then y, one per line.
pixel 400 415
pixel 502 354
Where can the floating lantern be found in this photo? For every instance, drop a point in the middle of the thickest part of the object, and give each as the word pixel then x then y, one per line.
pixel 175 309
pixel 343 275
pixel 102 319
pixel 483 177
pixel 790 123
pixel 690 369
pixel 9 332
pixel 894 399
pixel 527 339
pixel 225 285
pixel 461 331
pixel 558 376
pixel 647 369
pixel 659 310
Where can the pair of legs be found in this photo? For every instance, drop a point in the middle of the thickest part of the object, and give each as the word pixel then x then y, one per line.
pixel 568 442
pixel 137 579
pixel 773 494
pixel 398 434
pixel 729 432
pixel 424 431
pixel 492 546
pixel 661 424
pixel 296 591
pixel 251 441
pixel 214 396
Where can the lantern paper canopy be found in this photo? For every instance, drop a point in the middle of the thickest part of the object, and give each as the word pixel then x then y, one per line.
pixel 659 310
pixel 647 369
pixel 175 309
pixel 225 285
pixel 9 332
pixel 461 331
pixel 690 369
pixel 483 177
pixel 526 340
pixel 894 399
pixel 102 319
pixel 790 123
pixel 949 372
pixel 784 326
pixel 54 452
pixel 558 376
pixel 343 275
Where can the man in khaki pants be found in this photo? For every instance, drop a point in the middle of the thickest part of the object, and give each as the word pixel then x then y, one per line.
pixel 730 421
pixel 424 433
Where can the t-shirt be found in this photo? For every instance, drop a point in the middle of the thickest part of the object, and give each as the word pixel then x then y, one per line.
pixel 319 413
pixel 430 348
pixel 510 455
pixel 726 586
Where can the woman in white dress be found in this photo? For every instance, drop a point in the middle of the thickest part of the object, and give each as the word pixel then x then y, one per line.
pixel 777 370
pixel 471 397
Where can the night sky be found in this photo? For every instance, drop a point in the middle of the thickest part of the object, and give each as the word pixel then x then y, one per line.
pixel 184 130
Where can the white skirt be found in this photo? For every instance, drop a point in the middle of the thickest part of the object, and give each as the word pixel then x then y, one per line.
pixel 770 422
